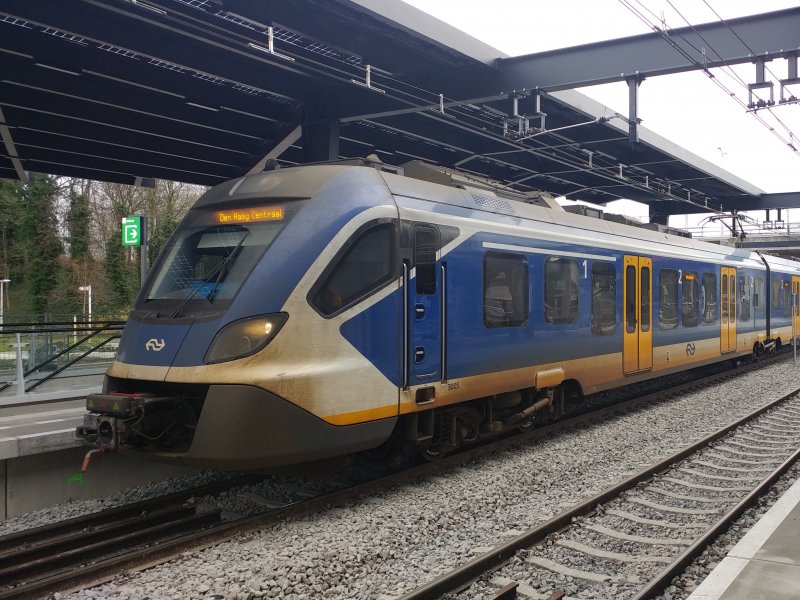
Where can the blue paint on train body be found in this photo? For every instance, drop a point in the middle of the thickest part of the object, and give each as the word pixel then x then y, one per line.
pixel 377 334
pixel 474 348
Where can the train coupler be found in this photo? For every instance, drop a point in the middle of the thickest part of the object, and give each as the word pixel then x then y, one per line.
pixel 103 431
pixel 106 425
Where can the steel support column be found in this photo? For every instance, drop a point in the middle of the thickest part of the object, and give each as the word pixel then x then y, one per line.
pixel 11 149
pixel 633 108
pixel 321 141
pixel 657 214
pixel 278 149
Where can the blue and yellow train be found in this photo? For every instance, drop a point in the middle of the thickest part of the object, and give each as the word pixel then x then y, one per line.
pixel 312 312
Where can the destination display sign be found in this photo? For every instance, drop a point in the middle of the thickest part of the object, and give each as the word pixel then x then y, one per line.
pixel 249 215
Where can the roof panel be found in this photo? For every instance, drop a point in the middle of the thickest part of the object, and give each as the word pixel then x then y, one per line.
pixel 115 90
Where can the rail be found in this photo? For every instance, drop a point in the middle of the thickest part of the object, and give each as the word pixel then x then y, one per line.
pixel 53 347
pixel 460 577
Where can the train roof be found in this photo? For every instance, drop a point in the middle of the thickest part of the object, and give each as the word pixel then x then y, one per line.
pixel 291 183
pixel 453 188
pixel 558 221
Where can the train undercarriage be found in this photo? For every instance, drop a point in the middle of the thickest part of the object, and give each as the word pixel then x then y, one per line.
pixel 164 420
pixel 436 432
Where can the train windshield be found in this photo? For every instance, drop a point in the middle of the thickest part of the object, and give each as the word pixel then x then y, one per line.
pixel 210 256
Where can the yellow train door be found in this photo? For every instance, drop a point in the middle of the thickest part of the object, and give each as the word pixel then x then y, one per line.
pixel 637 352
pixel 727 303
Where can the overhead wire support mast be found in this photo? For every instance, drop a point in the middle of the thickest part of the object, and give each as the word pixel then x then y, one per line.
pixel 667 38
pixel 760 83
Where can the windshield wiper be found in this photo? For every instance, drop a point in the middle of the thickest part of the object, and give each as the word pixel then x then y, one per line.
pixel 224 266
pixel 217 271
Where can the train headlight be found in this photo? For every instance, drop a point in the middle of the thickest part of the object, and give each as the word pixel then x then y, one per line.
pixel 244 337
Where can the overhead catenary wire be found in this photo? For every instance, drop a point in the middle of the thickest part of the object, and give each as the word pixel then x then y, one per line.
pixel 730 70
pixel 665 34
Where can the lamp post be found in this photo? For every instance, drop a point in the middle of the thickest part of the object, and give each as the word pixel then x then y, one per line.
pixel 87 288
pixel 3 283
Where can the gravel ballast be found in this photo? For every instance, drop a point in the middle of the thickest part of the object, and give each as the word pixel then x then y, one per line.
pixel 390 543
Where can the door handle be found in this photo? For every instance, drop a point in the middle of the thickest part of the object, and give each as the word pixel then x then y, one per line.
pixel 419 310
pixel 419 354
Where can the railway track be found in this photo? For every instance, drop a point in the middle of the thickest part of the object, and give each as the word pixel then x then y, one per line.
pixel 632 539
pixel 89 550
pixel 38 559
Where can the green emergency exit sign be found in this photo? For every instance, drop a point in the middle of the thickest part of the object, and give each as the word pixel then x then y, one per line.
pixel 131 231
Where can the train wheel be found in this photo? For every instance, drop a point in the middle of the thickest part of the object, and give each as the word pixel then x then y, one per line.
pixel 526 425
pixel 432 453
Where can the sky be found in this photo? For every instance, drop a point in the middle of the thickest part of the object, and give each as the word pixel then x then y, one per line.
pixel 688 109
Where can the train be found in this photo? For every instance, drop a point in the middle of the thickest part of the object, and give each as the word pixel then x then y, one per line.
pixel 312 312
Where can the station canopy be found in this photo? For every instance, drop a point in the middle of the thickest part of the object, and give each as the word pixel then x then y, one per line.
pixel 203 91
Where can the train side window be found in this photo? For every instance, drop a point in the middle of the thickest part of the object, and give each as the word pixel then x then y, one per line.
pixel 560 290
pixel 505 290
pixel 668 299
pixel 745 285
pixel 709 298
pixel 787 299
pixel 758 291
pixel 630 298
pixel 426 242
pixel 723 300
pixel 690 307
pixel 777 286
pixel 365 266
pixel 604 298
pixel 644 276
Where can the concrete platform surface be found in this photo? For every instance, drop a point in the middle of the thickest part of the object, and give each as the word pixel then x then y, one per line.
pixel 43 429
pixel 765 564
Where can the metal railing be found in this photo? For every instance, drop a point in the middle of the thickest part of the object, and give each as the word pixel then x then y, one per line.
pixel 718 231
pixel 53 347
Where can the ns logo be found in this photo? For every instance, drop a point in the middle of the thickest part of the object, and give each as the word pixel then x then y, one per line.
pixel 155 345
pixel 690 349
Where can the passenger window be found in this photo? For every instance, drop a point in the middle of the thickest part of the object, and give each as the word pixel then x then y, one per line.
pixel 690 309
pixel 777 286
pixel 505 290
pixel 426 242
pixel 724 299
pixel 560 290
pixel 604 298
pixel 365 266
pixel 668 299
pixel 630 298
pixel 645 286
pixel 757 292
pixel 733 298
pixel 709 298
pixel 745 284
pixel 787 299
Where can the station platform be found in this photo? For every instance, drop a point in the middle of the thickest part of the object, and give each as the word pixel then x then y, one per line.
pixel 34 429
pixel 765 564
pixel 45 420
pixel 40 457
